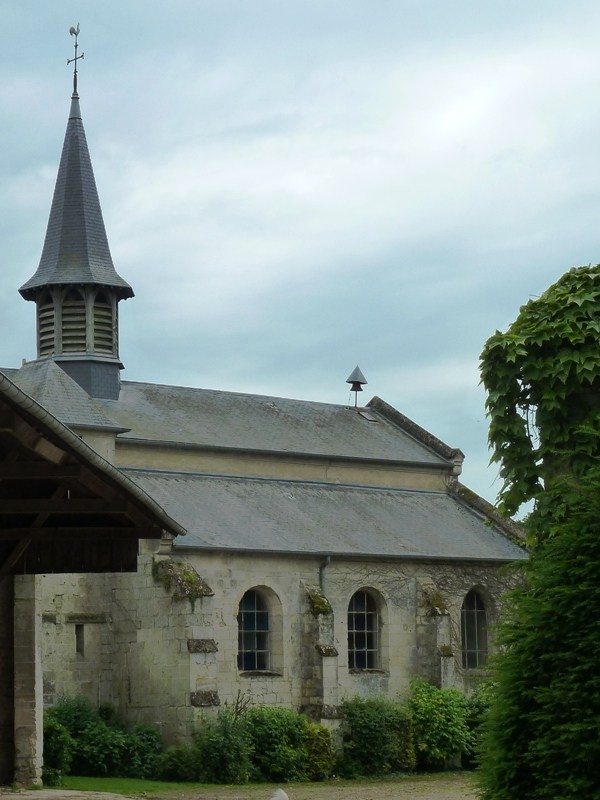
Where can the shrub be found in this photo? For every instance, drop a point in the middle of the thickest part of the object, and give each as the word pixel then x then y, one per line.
pixel 73 713
pixel 478 706
pixel 378 737
pixel 440 725
pixel 224 749
pixel 58 752
pixel 278 739
pixel 321 753
pixel 143 749
pixel 541 738
pixel 179 763
pixel 100 743
pixel 100 750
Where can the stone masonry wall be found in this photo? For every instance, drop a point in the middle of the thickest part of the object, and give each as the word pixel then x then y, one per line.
pixel 77 638
pixel 7 658
pixel 170 662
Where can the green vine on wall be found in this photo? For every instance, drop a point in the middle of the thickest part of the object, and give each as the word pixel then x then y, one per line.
pixel 181 580
pixel 542 379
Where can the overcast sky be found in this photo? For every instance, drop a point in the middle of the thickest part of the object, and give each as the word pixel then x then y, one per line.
pixel 295 187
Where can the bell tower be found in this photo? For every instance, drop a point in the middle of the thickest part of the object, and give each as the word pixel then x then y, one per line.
pixel 76 288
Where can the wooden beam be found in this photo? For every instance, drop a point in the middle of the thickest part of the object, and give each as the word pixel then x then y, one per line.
pixel 78 532
pixel 37 470
pixel 83 506
pixel 14 556
pixel 7 420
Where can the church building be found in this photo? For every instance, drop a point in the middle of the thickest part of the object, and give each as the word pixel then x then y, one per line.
pixel 307 551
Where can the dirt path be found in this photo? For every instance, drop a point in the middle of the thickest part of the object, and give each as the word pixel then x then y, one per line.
pixel 447 787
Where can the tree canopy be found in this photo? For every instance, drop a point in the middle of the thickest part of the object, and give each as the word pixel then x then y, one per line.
pixel 542 379
pixel 541 737
pixel 543 382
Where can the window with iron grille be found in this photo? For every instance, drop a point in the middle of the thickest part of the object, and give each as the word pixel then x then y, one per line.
pixel 473 631
pixel 363 632
pixel 253 633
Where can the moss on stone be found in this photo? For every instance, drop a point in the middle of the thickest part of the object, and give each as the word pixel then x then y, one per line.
pixel 181 580
pixel 319 604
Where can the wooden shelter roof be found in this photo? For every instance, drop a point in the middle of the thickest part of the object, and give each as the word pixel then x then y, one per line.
pixel 63 508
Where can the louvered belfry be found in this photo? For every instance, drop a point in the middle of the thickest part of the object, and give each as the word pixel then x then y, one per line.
pixel 76 288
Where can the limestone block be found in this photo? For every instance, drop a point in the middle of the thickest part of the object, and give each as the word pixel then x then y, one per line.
pixel 202 646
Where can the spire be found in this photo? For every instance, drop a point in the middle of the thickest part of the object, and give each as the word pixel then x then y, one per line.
pixel 76 287
pixel 76 247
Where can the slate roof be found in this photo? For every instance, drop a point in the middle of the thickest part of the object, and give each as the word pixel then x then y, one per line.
pixel 299 517
pixel 239 421
pixel 60 394
pixel 289 516
pixel 76 247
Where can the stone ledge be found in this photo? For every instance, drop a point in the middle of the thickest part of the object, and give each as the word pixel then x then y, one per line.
pixel 326 650
pixel 202 646
pixel 84 618
pixel 331 712
pixel 210 697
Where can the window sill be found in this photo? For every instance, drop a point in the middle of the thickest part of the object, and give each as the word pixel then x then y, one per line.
pixel 371 671
pixel 259 673
pixel 483 671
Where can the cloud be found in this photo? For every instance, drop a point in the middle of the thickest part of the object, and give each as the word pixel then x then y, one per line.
pixel 295 188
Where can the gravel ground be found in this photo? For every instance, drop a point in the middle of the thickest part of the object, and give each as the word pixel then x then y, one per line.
pixel 446 787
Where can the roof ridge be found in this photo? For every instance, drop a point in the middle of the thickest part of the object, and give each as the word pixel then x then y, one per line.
pixel 513 529
pixel 423 436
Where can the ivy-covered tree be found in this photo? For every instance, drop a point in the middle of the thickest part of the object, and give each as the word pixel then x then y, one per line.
pixel 542 379
pixel 542 376
pixel 542 737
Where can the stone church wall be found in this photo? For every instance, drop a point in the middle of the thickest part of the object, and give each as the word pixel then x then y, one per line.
pixel 169 662
pixel 7 658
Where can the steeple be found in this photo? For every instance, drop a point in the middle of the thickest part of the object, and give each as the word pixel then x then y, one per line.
pixel 76 288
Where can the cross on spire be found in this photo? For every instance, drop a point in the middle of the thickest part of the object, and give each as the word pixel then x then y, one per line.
pixel 74 32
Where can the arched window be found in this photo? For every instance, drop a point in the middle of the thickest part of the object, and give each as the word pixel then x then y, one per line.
pixel 73 323
pixel 363 631
pixel 253 632
pixel 473 631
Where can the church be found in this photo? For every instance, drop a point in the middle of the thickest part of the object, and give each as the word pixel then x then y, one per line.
pixel 193 547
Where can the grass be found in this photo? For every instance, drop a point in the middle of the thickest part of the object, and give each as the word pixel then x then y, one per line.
pixel 134 787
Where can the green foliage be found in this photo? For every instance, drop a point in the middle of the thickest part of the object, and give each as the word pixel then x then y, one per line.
pixel 267 744
pixel 99 750
pixel 478 706
pixel 542 378
pixel 179 763
pixel 541 737
pixel 100 743
pixel 278 738
pixel 58 752
pixel 73 713
pixel 224 749
pixel 321 753
pixel 440 725
pixel 143 752
pixel 378 737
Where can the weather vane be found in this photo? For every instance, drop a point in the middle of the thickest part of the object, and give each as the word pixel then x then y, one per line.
pixel 74 32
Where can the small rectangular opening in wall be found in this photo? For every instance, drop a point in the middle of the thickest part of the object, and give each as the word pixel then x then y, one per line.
pixel 79 640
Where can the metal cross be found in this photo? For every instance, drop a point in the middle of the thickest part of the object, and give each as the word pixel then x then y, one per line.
pixel 74 32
